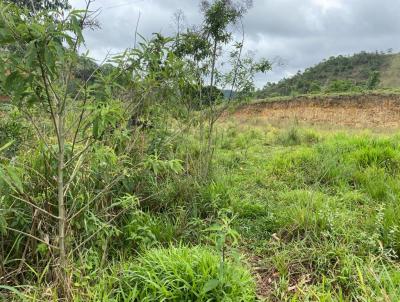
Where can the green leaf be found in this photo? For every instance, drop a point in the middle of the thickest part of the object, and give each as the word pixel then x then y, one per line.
pixel 76 27
pixel 14 82
pixel 210 285
pixel 5 37
pixel 3 221
pixel 42 249
pixel 31 54
pixel 10 176
pixel 95 130
pixel 16 181
pixel 6 145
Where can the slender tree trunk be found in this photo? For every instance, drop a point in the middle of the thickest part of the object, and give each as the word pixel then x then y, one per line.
pixel 211 116
pixel 214 58
pixel 60 195
pixel 2 253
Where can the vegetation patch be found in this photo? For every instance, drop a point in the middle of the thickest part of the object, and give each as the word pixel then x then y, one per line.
pixel 184 274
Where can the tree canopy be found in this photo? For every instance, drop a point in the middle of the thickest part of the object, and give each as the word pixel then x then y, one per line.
pixel 37 5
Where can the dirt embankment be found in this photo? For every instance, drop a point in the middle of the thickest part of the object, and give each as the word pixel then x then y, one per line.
pixel 359 111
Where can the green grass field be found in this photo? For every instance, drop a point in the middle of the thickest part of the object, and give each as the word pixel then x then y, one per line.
pixel 318 212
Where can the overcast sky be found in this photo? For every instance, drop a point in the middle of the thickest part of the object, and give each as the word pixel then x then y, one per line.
pixel 299 32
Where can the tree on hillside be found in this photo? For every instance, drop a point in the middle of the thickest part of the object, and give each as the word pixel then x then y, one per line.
pixel 373 80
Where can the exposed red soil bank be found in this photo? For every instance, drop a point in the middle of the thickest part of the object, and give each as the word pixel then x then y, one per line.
pixel 359 111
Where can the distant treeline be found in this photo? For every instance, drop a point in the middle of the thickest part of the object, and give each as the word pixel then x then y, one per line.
pixel 358 72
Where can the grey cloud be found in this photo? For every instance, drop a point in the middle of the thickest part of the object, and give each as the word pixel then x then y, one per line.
pixel 298 31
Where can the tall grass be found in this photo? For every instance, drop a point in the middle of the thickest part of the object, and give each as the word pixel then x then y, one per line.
pixel 180 274
pixel 318 211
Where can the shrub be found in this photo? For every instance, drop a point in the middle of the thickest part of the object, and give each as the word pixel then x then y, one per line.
pixel 185 274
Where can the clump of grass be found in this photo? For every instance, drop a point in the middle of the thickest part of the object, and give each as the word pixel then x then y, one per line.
pixel 185 274
pixel 290 137
pixel 295 136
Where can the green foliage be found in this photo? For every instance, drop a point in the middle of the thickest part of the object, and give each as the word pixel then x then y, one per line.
pixel 158 166
pixel 86 67
pixel 40 50
pixel 202 47
pixel 373 80
pixel 184 274
pixel 41 4
pixel 219 14
pixel 340 86
pixel 315 213
pixel 215 94
pixel 87 158
pixel 192 43
pixel 14 131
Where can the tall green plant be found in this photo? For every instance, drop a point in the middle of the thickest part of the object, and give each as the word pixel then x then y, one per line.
pixel 37 70
pixel 90 132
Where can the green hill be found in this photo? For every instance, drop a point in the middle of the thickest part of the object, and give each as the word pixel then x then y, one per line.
pixel 358 72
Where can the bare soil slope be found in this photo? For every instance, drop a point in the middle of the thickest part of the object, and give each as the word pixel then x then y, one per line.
pixel 358 111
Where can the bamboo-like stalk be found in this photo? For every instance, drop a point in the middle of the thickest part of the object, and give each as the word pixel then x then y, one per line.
pixel 60 191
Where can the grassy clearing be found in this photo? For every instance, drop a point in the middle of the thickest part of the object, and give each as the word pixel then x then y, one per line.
pixel 318 211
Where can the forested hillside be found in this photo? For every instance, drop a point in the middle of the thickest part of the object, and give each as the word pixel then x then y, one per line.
pixel 362 71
